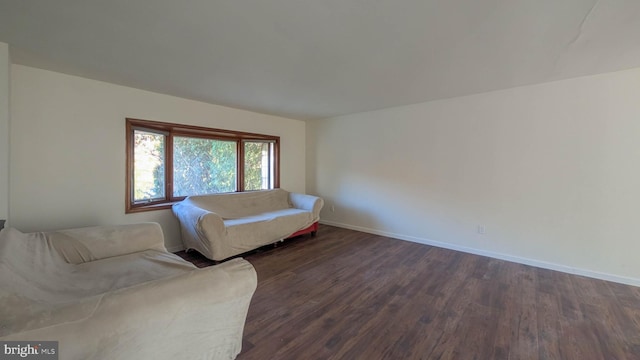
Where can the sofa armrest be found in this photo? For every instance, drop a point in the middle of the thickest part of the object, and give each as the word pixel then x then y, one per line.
pixel 199 314
pixel 307 202
pixel 98 242
pixel 198 226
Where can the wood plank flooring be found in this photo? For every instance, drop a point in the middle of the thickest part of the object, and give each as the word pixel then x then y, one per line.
pixel 351 295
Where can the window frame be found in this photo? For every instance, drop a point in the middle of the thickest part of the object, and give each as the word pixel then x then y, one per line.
pixel 169 130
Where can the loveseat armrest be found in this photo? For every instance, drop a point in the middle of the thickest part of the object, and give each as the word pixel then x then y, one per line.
pixel 98 242
pixel 307 202
pixel 196 315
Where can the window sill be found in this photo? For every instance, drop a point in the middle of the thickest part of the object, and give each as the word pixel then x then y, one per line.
pixel 150 207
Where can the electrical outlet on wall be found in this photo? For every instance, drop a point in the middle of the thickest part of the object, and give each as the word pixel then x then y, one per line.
pixel 333 208
pixel 480 229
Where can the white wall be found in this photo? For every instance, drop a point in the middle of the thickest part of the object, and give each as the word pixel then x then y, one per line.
pixel 5 66
pixel 68 148
pixel 551 171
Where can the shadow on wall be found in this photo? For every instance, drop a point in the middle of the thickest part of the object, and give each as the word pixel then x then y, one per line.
pixel 311 160
pixel 359 215
pixel 60 221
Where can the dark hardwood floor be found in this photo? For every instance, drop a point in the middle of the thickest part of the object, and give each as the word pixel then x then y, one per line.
pixel 351 295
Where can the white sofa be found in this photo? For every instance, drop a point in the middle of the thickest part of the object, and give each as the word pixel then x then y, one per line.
pixel 114 292
pixel 220 226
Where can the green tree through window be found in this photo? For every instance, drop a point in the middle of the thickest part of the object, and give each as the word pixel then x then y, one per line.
pixel 257 160
pixel 149 165
pixel 203 166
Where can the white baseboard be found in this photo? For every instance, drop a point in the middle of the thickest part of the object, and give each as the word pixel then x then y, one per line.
pixel 495 255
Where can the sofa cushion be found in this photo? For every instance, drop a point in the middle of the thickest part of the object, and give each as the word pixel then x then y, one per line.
pixel 128 270
pixel 293 216
pixel 37 285
pixel 247 233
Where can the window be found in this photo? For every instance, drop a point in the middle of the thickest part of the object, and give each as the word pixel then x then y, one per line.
pixel 258 165
pixel 167 162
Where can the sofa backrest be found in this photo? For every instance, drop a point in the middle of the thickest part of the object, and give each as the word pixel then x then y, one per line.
pixel 84 244
pixel 243 204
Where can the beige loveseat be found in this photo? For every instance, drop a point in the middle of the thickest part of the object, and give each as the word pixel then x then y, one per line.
pixel 220 226
pixel 114 292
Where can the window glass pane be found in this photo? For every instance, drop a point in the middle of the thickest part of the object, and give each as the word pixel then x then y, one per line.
pixel 203 166
pixel 149 166
pixel 258 165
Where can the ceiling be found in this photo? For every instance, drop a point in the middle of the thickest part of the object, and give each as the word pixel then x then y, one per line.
pixel 310 59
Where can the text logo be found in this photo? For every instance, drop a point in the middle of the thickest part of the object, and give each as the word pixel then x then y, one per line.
pixel 33 350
